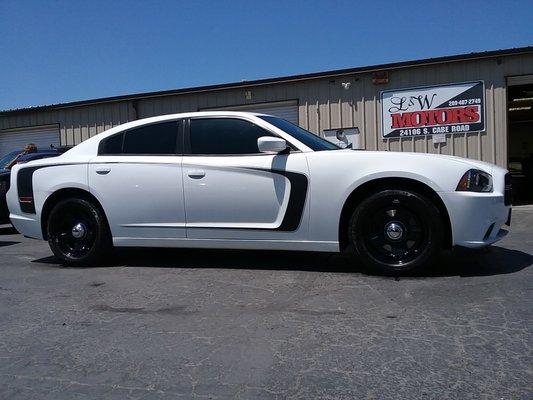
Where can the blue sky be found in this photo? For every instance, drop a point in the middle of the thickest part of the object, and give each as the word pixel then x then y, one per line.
pixel 58 51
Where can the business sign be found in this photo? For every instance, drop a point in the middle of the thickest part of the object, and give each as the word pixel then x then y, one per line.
pixel 454 108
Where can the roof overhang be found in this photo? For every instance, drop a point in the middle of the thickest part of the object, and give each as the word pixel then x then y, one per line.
pixel 284 79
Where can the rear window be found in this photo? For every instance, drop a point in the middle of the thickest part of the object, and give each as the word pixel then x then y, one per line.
pixel 112 144
pixel 154 139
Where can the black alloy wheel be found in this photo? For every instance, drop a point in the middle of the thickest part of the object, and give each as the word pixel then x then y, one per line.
pixel 77 232
pixel 396 231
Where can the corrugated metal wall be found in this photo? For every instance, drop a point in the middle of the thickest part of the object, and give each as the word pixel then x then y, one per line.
pixel 323 104
pixel 77 123
pixel 284 109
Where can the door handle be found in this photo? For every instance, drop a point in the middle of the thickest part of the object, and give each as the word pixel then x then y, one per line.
pixel 103 171
pixel 196 174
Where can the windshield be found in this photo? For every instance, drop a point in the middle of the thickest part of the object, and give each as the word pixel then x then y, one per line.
pixel 312 141
pixel 6 159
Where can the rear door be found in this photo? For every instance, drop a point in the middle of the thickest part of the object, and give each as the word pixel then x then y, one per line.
pixel 232 191
pixel 137 179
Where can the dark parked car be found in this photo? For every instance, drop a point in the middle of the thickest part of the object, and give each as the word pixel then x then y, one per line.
pixel 5 174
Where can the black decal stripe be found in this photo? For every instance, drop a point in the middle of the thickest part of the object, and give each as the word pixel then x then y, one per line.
pixel 295 208
pixel 25 189
pixel 25 186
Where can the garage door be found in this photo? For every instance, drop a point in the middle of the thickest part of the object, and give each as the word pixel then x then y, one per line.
pixel 42 137
pixel 287 109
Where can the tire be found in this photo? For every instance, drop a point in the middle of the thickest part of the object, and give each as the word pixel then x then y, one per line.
pixel 395 232
pixel 78 233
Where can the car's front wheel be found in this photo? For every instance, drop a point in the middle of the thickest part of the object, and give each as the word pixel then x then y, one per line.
pixel 396 231
pixel 77 232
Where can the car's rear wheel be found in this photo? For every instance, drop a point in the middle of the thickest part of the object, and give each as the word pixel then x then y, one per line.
pixel 396 231
pixel 77 232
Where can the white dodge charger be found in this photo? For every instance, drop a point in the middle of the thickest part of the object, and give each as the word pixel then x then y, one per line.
pixel 253 181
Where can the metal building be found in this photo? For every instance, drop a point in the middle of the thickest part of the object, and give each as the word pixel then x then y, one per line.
pixel 495 86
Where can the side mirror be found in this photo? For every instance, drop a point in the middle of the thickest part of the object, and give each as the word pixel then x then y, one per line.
pixel 270 144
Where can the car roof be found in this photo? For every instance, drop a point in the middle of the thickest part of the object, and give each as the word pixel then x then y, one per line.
pixel 89 147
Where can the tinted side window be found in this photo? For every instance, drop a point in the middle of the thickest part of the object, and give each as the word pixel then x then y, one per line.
pixel 152 139
pixel 225 136
pixel 111 145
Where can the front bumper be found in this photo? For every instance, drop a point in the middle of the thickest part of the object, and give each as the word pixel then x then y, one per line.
pixel 477 219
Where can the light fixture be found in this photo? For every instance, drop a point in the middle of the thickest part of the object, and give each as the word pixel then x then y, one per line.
pixel 380 77
pixel 519 108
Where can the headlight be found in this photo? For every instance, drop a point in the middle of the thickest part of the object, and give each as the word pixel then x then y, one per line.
pixel 475 180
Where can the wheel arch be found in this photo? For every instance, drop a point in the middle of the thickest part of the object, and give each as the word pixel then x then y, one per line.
pixel 64 193
pixel 402 183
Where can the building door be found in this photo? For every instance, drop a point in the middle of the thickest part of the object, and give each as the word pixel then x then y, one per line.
pixel 42 137
pixel 520 137
pixel 284 109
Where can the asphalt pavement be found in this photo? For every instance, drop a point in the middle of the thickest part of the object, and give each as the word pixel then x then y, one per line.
pixel 170 324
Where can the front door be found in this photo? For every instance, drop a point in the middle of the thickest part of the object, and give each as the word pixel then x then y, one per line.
pixel 234 192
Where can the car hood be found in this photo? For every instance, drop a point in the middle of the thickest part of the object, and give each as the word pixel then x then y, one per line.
pixel 474 163
pixel 482 165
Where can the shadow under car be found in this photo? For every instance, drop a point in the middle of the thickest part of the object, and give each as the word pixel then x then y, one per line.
pixel 464 262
